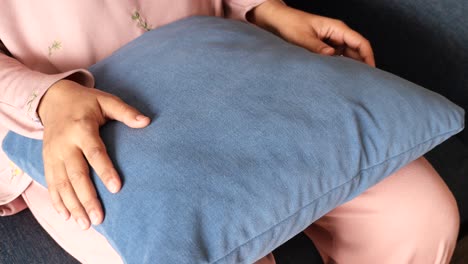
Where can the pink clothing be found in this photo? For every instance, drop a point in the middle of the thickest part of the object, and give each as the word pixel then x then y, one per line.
pixel 53 39
pixel 379 226
pixel 409 217
pixel 87 246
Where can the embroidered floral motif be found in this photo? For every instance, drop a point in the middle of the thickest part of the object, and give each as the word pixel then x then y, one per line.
pixel 32 98
pixel 31 113
pixel 141 22
pixel 56 45
pixel 15 171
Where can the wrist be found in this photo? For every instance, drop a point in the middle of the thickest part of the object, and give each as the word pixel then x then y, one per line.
pixel 265 15
pixel 46 102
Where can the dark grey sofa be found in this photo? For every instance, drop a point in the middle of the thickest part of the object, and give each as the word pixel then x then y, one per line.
pixel 425 41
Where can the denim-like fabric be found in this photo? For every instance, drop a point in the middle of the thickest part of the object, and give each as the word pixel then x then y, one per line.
pixel 252 140
pixel 22 240
pixel 430 48
pixel 422 40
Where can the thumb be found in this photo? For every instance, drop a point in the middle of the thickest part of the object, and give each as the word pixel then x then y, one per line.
pixel 317 46
pixel 114 108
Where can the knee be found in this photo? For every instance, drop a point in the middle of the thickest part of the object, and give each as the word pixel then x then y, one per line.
pixel 435 231
pixel 410 217
pixel 429 218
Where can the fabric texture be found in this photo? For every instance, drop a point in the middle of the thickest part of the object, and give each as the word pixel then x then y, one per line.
pixel 86 246
pixel 252 140
pixel 42 42
pixel 440 64
pixel 394 214
pixel 22 240
pixel 351 233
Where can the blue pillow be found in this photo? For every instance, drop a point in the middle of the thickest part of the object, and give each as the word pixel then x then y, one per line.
pixel 252 140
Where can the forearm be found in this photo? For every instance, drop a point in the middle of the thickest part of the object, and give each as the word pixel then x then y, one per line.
pixel 266 16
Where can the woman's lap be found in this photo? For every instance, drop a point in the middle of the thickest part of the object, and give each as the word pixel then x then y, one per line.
pixel 410 217
pixel 403 218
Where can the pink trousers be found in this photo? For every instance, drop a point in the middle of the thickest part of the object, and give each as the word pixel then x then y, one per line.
pixel 410 217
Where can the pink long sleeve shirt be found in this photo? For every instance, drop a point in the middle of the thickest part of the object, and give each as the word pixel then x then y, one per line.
pixel 45 41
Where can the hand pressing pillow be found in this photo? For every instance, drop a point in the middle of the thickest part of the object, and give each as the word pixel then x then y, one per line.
pixel 252 140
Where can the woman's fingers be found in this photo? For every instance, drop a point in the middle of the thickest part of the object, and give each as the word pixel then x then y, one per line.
pixel 360 45
pixel 114 108
pixel 67 173
pixel 316 33
pixel 62 186
pixel 53 192
pixel 350 53
pixel 95 152
pixel 316 45
pixel 72 140
pixel 78 175
pixel 354 43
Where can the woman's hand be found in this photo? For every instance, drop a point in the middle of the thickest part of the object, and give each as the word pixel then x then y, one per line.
pixel 316 33
pixel 72 115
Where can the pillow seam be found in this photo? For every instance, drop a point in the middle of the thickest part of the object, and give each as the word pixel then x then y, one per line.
pixel 358 175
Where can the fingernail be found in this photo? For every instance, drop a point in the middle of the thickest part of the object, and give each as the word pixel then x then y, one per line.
pixel 63 215
pixel 140 117
pixel 113 186
pixel 327 50
pixel 82 224
pixel 94 217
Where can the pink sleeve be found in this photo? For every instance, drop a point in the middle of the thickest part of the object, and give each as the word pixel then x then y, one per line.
pixel 237 9
pixel 13 207
pixel 21 89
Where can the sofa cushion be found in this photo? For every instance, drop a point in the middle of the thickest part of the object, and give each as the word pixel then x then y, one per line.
pixel 252 140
